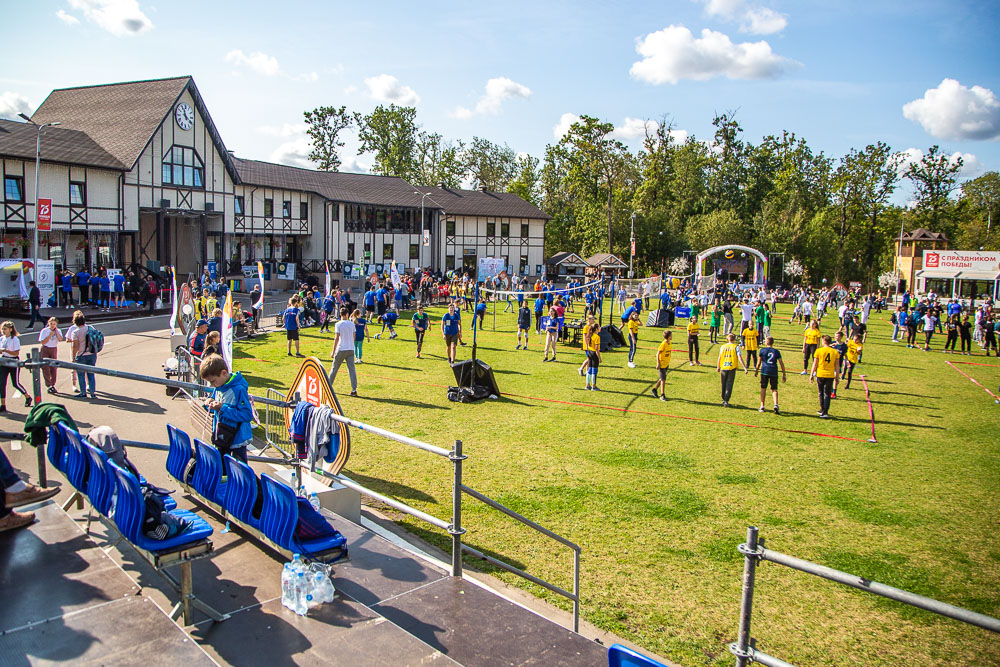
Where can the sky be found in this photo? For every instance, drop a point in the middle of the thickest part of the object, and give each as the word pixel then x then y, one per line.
pixel 839 74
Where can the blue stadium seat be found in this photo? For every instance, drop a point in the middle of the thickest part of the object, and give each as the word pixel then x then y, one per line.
pixel 293 524
pixel 130 510
pixel 207 480
pixel 620 656
pixel 55 449
pixel 241 492
pixel 179 455
pixel 76 460
pixel 101 484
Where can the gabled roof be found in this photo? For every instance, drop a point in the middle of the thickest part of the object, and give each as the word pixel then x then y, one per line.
pixel 566 257
pixel 480 202
pixel 921 234
pixel 604 258
pixel 17 140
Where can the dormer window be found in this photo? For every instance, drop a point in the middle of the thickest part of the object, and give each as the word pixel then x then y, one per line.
pixel 182 167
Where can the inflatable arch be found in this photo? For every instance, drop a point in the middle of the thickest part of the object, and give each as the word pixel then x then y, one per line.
pixel 759 265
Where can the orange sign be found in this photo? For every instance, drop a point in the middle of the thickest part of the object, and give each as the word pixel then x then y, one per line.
pixel 44 215
pixel 313 387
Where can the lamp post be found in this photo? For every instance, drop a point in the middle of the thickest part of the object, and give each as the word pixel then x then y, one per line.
pixel 899 260
pixel 420 253
pixel 631 247
pixel 38 155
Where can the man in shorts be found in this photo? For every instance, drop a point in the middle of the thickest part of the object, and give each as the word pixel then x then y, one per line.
pixel 768 361
pixel 292 324
pixel 451 329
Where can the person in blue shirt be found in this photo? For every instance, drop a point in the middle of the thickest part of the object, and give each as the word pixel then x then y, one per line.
pixel 421 323
pixel 589 299
pixel 67 289
pixel 83 282
pixel 360 334
pixel 388 320
pixel 451 329
pixel 292 324
pixel 369 301
pixel 520 296
pixel 231 404
pixel 768 361
pixel 550 294
pixel 539 308
pixel 221 291
pixel 523 324
pixel 119 289
pixel 327 316
pixel 628 313
pixel 105 298
pixel 381 300
pixel 664 300
pixel 480 313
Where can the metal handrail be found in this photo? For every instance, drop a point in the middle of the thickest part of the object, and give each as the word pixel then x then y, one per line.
pixel 753 550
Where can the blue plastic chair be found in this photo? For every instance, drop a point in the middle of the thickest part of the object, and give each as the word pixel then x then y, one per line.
pixel 281 514
pixel 180 453
pixel 621 656
pixel 207 479
pixel 76 460
pixel 101 485
pixel 55 450
pixel 130 510
pixel 241 491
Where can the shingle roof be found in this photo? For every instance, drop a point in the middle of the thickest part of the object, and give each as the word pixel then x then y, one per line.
pixel 561 257
pixel 478 202
pixel 605 258
pixel 922 234
pixel 120 117
pixel 17 140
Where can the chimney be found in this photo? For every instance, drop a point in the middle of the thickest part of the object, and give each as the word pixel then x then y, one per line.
pixel 442 185
pixel 482 187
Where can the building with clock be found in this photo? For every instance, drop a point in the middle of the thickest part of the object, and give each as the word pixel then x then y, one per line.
pixel 138 173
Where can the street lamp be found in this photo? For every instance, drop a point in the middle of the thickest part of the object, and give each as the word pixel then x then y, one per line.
pixel 38 154
pixel 631 247
pixel 420 253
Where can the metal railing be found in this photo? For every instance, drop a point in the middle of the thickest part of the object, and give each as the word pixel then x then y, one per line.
pixel 275 422
pixel 744 648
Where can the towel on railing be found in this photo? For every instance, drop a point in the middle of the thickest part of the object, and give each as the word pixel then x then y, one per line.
pixel 41 417
pixel 322 436
pixel 297 427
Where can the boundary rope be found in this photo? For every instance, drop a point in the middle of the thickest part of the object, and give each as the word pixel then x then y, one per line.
pixel 976 382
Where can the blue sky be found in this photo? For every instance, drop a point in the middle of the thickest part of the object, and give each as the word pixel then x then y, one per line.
pixel 837 73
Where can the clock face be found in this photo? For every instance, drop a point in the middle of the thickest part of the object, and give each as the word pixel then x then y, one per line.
pixel 184 115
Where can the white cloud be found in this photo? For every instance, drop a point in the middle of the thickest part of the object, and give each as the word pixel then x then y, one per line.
pixel 566 121
pixel 753 19
pixel 119 17
pixel 259 62
pixel 308 77
pixel 387 88
pixel 351 90
pixel 497 90
pixel 284 130
pixel 351 165
pixel 972 166
pixel 12 104
pixel 293 153
pixel 68 19
pixel 674 53
pixel 634 128
pixel 954 111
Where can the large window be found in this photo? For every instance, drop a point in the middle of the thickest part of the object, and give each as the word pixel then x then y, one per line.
pixel 414 251
pixel 449 227
pixel 286 209
pixel 505 229
pixel 523 270
pixel 491 229
pixel 358 218
pixel 183 167
pixel 524 230
pixel 449 262
pixel 77 193
pixel 350 252
pixel 239 205
pixel 268 208
pixel 13 188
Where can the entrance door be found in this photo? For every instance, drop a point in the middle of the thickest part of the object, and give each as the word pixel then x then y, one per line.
pixel 469 261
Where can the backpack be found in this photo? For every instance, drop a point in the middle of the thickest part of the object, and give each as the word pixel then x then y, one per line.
pixel 95 340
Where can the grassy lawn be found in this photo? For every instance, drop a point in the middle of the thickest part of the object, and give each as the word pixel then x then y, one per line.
pixel 658 494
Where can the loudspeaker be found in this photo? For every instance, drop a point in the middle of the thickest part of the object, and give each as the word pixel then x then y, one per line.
pixel 660 318
pixel 475 373
pixel 611 337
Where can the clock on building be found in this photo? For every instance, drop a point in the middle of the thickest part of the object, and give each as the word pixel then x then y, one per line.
pixel 184 115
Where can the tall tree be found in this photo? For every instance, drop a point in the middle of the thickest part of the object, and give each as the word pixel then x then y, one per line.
pixel 439 161
pixel 981 197
pixel 390 134
pixel 934 177
pixel 526 184
pixel 491 165
pixel 324 127
pixel 878 173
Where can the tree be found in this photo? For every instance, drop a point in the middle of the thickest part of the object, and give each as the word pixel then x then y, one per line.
pixel 934 177
pixel 491 165
pixel 325 125
pixel 715 228
pixel 878 173
pixel 439 161
pixel 981 204
pixel 526 184
pixel 390 133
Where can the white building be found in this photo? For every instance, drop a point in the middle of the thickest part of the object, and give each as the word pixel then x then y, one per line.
pixel 138 173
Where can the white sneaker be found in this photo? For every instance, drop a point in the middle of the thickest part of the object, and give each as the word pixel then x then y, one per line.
pixel 803 372
pixel 631 365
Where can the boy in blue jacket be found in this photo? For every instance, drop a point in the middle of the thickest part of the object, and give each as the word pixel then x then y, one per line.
pixel 231 404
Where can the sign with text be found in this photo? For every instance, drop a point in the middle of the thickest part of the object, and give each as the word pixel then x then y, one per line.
pixel 962 260
pixel 46 280
pixel 313 387
pixel 286 270
pixel 489 267
pixel 44 215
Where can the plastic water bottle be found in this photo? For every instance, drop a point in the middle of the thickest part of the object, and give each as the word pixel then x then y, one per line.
pixel 297 565
pixel 314 501
pixel 286 586
pixel 294 482
pixel 324 588
pixel 300 594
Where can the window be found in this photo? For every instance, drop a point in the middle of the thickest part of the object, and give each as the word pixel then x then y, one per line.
pixel 286 209
pixel 13 188
pixel 334 212
pixel 386 251
pixel 77 193
pixel 449 227
pixel 414 251
pixel 304 210
pixel 523 270
pixel 524 230
pixel 505 229
pixel 239 205
pixel 368 250
pixel 491 229
pixel 183 167
pixel 350 252
pixel 449 262
pixel 268 208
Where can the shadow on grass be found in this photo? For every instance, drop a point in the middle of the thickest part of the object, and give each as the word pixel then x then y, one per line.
pixel 392 489
pixel 401 402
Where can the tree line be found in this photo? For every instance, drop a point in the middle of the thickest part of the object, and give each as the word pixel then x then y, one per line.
pixel 834 215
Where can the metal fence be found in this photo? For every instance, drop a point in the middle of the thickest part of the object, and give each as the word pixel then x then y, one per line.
pixel 276 435
pixel 744 648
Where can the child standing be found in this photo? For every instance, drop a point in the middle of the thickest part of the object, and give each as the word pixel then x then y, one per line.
pixel 292 323
pixel 632 328
pixel 360 334
pixel 767 366
pixel 523 324
pixel 421 323
pixel 231 404
pixel 714 323
pixel 663 364
pixel 727 365
pixel 809 344
pixel 693 330
pixel 593 357
pixel 10 349
pixel 587 331
pixel 854 347
pixel 50 337
pixel 551 334
pixel 750 338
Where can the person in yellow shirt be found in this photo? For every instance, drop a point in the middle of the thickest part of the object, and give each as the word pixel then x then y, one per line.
pixel 663 364
pixel 824 372
pixel 854 348
pixel 694 329
pixel 632 331
pixel 593 357
pixel 809 345
pixel 587 332
pixel 728 364
pixel 750 338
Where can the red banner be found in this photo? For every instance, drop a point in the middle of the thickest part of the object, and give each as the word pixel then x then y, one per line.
pixel 44 215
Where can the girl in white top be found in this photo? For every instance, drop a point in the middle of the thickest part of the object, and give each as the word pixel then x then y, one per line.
pixel 50 337
pixel 70 338
pixel 10 348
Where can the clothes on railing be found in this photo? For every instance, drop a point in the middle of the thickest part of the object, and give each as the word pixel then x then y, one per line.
pixel 315 433
pixel 41 417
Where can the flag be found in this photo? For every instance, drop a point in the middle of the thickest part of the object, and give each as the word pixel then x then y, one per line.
pixel 328 288
pixel 173 301
pixel 24 288
pixel 227 331
pixel 395 276
pixel 260 277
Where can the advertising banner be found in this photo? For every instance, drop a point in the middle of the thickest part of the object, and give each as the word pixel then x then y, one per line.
pixel 962 260
pixel 46 279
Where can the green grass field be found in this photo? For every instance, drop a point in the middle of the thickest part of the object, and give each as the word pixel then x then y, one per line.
pixel 659 494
